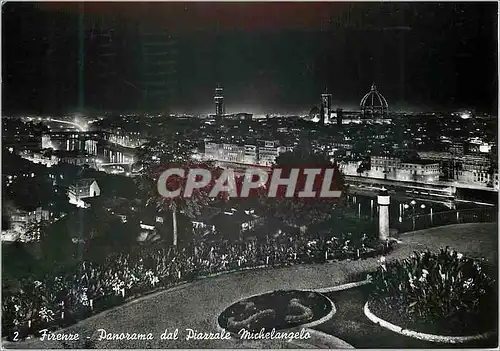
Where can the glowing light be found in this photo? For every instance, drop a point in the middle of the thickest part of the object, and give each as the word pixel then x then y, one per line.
pixel 83 129
pixel 485 148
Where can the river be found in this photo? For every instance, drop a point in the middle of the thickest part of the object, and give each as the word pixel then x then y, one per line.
pixel 401 209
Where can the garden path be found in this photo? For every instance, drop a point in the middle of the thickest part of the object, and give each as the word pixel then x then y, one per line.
pixel 198 304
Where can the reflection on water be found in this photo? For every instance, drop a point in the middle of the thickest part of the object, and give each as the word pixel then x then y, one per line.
pixel 88 146
pixel 400 210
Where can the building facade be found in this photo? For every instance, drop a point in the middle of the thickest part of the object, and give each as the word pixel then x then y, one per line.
pixel 392 168
pixel 225 152
pixel 77 159
pixel 251 155
pixel 81 190
pixel 127 139
pixel 264 153
pixel 39 158
pixel 268 152
pixel 477 170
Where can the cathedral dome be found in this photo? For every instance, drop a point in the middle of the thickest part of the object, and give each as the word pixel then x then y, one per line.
pixel 373 103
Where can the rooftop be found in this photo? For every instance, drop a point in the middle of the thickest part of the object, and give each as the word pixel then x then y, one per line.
pixel 84 182
pixel 419 162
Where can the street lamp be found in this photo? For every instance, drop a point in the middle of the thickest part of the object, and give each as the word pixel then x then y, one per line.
pixel 413 203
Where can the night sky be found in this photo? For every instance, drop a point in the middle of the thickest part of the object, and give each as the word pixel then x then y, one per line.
pixel 269 57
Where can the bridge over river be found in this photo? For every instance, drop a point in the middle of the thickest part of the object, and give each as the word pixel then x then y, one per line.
pixel 445 193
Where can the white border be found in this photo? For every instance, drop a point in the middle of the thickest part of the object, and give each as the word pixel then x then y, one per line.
pixel 307 325
pixel 423 336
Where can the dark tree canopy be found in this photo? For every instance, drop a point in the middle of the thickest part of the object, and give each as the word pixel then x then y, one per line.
pixel 295 211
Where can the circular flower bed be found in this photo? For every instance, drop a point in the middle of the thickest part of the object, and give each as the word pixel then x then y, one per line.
pixel 441 293
pixel 280 309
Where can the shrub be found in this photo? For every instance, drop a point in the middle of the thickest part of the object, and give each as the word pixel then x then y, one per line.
pixel 444 288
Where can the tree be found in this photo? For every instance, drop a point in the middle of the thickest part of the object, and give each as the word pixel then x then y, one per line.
pixel 363 166
pixel 298 212
pixel 155 157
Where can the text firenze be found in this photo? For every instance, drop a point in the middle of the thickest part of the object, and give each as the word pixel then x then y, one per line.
pixel 190 334
pixel 299 182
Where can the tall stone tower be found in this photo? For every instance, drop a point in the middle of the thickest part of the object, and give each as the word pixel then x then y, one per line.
pixel 383 201
pixel 326 108
pixel 219 101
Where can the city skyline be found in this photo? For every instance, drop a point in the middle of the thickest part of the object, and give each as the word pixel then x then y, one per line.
pixel 223 175
pixel 264 66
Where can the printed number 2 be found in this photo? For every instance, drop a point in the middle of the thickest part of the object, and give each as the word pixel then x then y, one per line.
pixel 16 334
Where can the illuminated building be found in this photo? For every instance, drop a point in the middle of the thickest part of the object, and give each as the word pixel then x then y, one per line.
pixel 476 170
pixel 264 153
pixel 225 152
pixel 77 158
pixel 19 217
pixel 446 162
pixel 83 189
pixel 457 149
pixel 477 146
pixel 74 141
pixel 373 104
pixel 127 139
pixel 268 152
pixel 242 116
pixel 326 108
pixel 219 102
pixel 19 224
pixel 39 158
pixel 251 154
pixel 393 168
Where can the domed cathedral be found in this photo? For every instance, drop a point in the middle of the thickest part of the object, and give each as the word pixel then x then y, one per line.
pixel 314 113
pixel 373 104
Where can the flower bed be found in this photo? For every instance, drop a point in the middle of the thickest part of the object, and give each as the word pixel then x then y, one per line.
pixel 444 293
pixel 61 299
pixel 279 310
